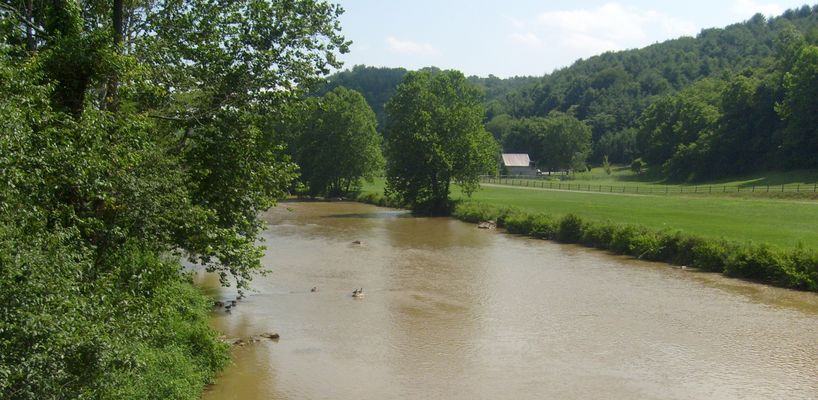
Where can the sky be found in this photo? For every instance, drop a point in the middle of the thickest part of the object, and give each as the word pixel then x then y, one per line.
pixel 525 37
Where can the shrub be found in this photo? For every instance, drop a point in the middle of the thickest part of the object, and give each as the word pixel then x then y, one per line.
pixel 678 248
pixel 543 227
pixel 805 265
pixel 599 235
pixel 475 212
pixel 762 263
pixel 645 244
pixel 622 238
pixel 570 229
pixel 710 255
pixel 519 223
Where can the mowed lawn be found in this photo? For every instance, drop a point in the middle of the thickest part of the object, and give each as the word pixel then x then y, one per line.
pixel 783 223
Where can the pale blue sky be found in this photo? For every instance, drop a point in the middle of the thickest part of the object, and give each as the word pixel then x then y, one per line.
pixel 525 37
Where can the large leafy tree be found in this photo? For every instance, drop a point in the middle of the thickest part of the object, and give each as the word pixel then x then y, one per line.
pixel 799 109
pixel 337 144
pixel 435 136
pixel 134 132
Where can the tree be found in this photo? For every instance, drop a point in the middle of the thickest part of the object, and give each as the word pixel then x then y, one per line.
pixel 435 136
pixel 134 133
pixel 338 144
pixel 566 142
pixel 798 110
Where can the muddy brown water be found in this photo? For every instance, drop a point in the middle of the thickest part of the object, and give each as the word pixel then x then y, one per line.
pixel 454 312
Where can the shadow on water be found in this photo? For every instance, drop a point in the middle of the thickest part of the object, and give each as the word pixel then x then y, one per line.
pixel 373 215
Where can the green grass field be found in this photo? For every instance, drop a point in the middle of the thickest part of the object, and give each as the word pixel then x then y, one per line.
pixel 784 223
pixel 622 175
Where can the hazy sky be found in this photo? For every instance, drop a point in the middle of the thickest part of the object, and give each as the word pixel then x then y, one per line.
pixel 525 37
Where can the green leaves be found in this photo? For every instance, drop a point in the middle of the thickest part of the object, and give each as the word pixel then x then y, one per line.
pixel 119 157
pixel 336 144
pixel 434 135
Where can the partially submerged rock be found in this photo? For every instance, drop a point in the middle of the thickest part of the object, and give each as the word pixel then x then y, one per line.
pixel 487 225
pixel 241 342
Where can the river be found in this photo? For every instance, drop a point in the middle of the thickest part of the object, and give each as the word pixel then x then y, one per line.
pixel 455 312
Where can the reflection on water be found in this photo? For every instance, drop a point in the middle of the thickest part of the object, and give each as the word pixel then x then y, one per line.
pixel 453 312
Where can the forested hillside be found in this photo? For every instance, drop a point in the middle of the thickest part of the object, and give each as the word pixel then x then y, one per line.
pixel 693 79
pixel 378 85
pixel 729 100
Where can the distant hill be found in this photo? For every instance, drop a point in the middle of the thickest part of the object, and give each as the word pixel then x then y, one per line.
pixel 610 92
pixel 378 84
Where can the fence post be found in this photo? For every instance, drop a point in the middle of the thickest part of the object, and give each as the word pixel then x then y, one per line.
pixel 798 188
pixel 782 188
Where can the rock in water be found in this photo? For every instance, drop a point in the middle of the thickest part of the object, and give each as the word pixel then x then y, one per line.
pixel 487 225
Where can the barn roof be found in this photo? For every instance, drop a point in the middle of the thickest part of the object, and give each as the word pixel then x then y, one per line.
pixel 516 160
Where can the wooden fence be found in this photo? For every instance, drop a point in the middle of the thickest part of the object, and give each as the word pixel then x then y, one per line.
pixel 542 183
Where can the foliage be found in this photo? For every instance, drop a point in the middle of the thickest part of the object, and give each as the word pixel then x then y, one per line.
pixel 133 133
pixel 637 166
pixel 435 136
pixel 336 144
pixel 798 109
pixel 729 101
pixel 797 269
pixel 376 84
pixel 558 142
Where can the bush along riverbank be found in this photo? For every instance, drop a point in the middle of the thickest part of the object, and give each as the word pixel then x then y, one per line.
pixel 794 269
pixel 74 327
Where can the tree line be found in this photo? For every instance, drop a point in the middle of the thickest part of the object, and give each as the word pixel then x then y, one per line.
pixel 631 102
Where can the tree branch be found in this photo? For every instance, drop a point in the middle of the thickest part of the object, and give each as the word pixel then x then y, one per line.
pixel 11 10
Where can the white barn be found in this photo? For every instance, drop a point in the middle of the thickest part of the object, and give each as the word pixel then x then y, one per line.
pixel 518 164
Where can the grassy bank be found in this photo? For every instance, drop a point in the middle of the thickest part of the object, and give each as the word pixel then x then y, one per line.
pixel 777 222
pixel 797 269
pixel 760 240
pixel 623 176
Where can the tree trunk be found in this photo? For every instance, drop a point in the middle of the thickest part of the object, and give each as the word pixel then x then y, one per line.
pixel 31 41
pixel 112 91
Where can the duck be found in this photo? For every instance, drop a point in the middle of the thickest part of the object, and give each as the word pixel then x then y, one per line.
pixel 358 293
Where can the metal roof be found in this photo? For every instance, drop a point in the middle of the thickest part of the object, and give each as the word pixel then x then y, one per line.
pixel 516 160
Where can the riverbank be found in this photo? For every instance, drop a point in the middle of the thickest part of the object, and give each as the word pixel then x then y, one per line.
pixel 454 312
pixel 783 223
pixel 795 268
